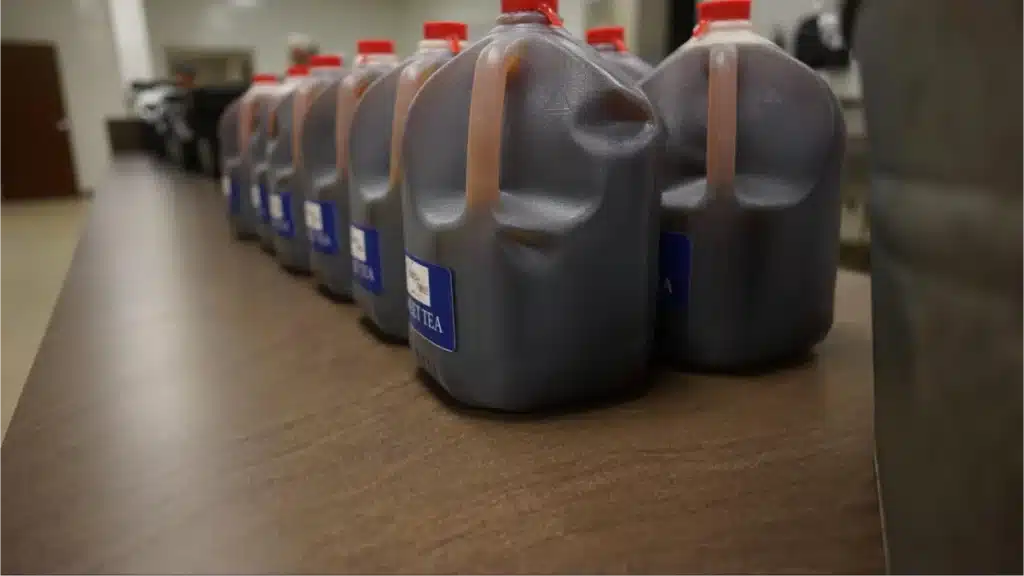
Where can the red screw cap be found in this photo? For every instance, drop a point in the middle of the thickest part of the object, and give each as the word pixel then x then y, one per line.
pixel 325 61
pixel 607 35
pixel 264 79
pixel 375 46
pixel 712 10
pixel 298 70
pixel 443 30
pixel 529 5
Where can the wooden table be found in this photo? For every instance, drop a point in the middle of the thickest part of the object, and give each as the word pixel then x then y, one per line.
pixel 194 408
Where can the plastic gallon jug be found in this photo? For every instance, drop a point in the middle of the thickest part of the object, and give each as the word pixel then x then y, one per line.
pixel 750 197
pixel 610 42
pixel 327 211
pixel 288 185
pixel 320 169
pixel 375 178
pixel 268 140
pixel 531 219
pixel 235 130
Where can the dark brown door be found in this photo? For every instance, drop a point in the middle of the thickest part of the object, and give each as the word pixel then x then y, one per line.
pixel 35 160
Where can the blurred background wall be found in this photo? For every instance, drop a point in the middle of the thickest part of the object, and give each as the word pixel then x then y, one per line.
pixel 104 45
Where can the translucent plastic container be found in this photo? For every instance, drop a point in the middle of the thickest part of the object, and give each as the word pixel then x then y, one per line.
pixel 235 129
pixel 289 183
pixel 319 143
pixel 327 210
pixel 610 42
pixel 375 180
pixel 750 197
pixel 531 220
pixel 263 144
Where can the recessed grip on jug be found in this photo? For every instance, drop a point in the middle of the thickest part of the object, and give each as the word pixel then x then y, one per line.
pixel 350 92
pixel 272 123
pixel 304 97
pixel 298 106
pixel 248 110
pixel 723 71
pixel 486 119
pixel 409 83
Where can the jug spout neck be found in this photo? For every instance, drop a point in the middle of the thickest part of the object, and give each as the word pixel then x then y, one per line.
pixel 425 46
pixel 375 59
pixel 726 25
pixel 607 47
pixel 527 17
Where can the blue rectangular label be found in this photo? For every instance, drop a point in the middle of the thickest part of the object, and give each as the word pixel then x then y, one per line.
pixel 264 203
pixel 320 226
pixel 431 299
pixel 674 263
pixel 281 214
pixel 365 248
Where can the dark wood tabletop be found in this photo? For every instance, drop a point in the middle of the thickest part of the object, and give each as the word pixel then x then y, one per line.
pixel 193 408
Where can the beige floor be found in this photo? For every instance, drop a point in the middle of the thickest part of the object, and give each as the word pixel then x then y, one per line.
pixel 38 241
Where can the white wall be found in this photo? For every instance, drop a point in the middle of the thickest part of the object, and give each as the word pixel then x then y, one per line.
pixel 478 14
pixel 649 34
pixel 786 14
pixel 263 26
pixel 131 38
pixel 82 34
pixel 573 13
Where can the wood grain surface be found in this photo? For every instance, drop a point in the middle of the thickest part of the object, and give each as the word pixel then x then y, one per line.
pixel 195 409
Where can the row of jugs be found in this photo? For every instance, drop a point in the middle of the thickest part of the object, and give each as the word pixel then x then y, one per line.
pixel 539 217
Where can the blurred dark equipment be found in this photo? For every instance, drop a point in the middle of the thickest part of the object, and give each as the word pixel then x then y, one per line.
pixel 944 127
pixel 188 126
pixel 178 140
pixel 147 99
pixel 682 18
pixel 848 19
pixel 819 42
pixel 140 88
pixel 207 105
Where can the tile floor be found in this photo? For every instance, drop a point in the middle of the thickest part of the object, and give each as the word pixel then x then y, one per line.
pixel 38 240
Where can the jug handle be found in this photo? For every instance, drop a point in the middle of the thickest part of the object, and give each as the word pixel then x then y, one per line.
pixel 486 119
pixel 298 106
pixel 409 83
pixel 723 71
pixel 303 101
pixel 350 92
pixel 252 106
pixel 272 124
pixel 245 127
